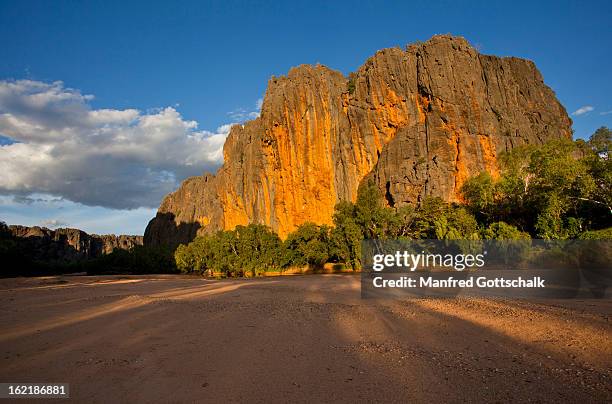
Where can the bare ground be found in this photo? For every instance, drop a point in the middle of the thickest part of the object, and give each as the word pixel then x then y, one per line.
pixel 299 339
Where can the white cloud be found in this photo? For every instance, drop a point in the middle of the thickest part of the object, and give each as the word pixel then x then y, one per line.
pixel 583 110
pixel 605 113
pixel 112 158
pixel 244 114
pixel 53 223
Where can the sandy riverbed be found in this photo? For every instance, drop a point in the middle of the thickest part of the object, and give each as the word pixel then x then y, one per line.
pixel 299 339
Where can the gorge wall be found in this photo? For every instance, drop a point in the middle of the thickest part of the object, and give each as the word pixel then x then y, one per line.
pixel 67 245
pixel 418 122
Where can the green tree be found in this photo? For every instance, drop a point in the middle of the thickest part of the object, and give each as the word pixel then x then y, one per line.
pixel 371 214
pixel 599 166
pixel 403 222
pixel 559 184
pixel 479 193
pixel 242 251
pixel 431 210
pixel 455 223
pixel 601 140
pixel 308 244
pixel 504 231
pixel 346 236
pixel 554 191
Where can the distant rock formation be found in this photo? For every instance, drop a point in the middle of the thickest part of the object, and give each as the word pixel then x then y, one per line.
pixel 418 122
pixel 69 245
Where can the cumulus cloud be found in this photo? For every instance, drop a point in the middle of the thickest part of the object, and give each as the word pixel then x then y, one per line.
pixel 583 110
pixel 123 159
pixel 53 223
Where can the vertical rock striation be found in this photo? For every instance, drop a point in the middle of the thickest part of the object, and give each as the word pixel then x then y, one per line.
pixel 418 121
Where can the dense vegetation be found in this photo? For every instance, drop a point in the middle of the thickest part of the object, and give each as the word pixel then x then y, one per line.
pixel 554 191
pixel 560 190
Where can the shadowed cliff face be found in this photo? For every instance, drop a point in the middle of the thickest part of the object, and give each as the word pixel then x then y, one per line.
pixel 419 122
pixel 68 245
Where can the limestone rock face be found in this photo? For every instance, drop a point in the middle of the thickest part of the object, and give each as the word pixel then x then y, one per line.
pixel 69 245
pixel 418 121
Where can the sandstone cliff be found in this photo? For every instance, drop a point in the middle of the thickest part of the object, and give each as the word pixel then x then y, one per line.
pixel 69 245
pixel 418 121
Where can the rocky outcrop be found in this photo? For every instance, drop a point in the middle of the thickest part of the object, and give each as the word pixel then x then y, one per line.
pixel 69 245
pixel 418 121
pixel 107 243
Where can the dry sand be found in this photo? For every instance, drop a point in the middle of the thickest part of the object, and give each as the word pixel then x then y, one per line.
pixel 299 339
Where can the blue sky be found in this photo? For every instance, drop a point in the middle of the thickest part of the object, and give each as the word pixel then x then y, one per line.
pixel 207 63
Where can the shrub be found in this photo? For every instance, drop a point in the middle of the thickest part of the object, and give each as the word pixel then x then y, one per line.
pixel 351 83
pixel 603 234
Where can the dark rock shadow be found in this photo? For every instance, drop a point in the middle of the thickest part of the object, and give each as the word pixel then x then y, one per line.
pixel 162 230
